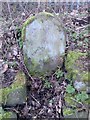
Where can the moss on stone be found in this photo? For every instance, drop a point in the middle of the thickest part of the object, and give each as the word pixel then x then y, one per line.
pixel 72 57
pixel 31 68
pixel 47 13
pixel 33 65
pixel 68 111
pixel 31 19
pixel 85 76
pixel 6 115
pixel 72 66
pixel 20 81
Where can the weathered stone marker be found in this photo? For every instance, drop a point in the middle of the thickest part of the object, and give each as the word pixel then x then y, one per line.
pixel 43 43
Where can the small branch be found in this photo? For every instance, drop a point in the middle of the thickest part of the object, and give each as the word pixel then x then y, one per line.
pixel 78 103
pixel 23 66
pixel 83 27
pixel 10 12
pixel 86 36
pixel 35 100
pixel 12 109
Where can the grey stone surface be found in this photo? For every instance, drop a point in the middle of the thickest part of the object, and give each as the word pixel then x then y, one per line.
pixel 78 115
pixel 79 85
pixel 44 44
pixel 17 96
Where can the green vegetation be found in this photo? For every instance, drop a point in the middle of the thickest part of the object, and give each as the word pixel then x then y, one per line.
pixel 47 84
pixel 70 89
pixel 20 81
pixel 59 73
pixel 32 68
pixel 75 97
pixel 4 115
pixel 81 97
pixel 29 20
pixel 19 38
pixel 85 76
pixel 68 111
pixel 75 72
pixel 72 65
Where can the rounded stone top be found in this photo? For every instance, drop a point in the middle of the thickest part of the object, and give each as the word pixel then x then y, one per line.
pixel 43 43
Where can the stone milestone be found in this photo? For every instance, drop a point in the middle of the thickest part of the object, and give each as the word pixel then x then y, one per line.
pixel 43 43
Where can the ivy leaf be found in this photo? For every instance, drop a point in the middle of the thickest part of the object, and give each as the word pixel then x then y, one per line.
pixel 78 97
pixel 70 89
pixel 82 97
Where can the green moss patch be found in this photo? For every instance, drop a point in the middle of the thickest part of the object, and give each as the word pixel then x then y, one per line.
pixel 74 67
pixel 68 111
pixel 20 81
pixel 7 115
pixel 28 21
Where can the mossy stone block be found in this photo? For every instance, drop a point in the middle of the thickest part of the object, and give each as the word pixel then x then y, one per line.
pixel 16 92
pixel 4 115
pixel 74 66
pixel 44 41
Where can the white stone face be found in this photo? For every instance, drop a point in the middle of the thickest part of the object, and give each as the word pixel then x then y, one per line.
pixel 44 43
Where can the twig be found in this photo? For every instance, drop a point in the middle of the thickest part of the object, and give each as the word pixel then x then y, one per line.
pixel 83 27
pixel 78 102
pixel 35 100
pixel 10 12
pixel 23 66
pixel 12 109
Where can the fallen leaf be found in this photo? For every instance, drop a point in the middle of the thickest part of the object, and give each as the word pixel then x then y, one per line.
pixel 5 67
